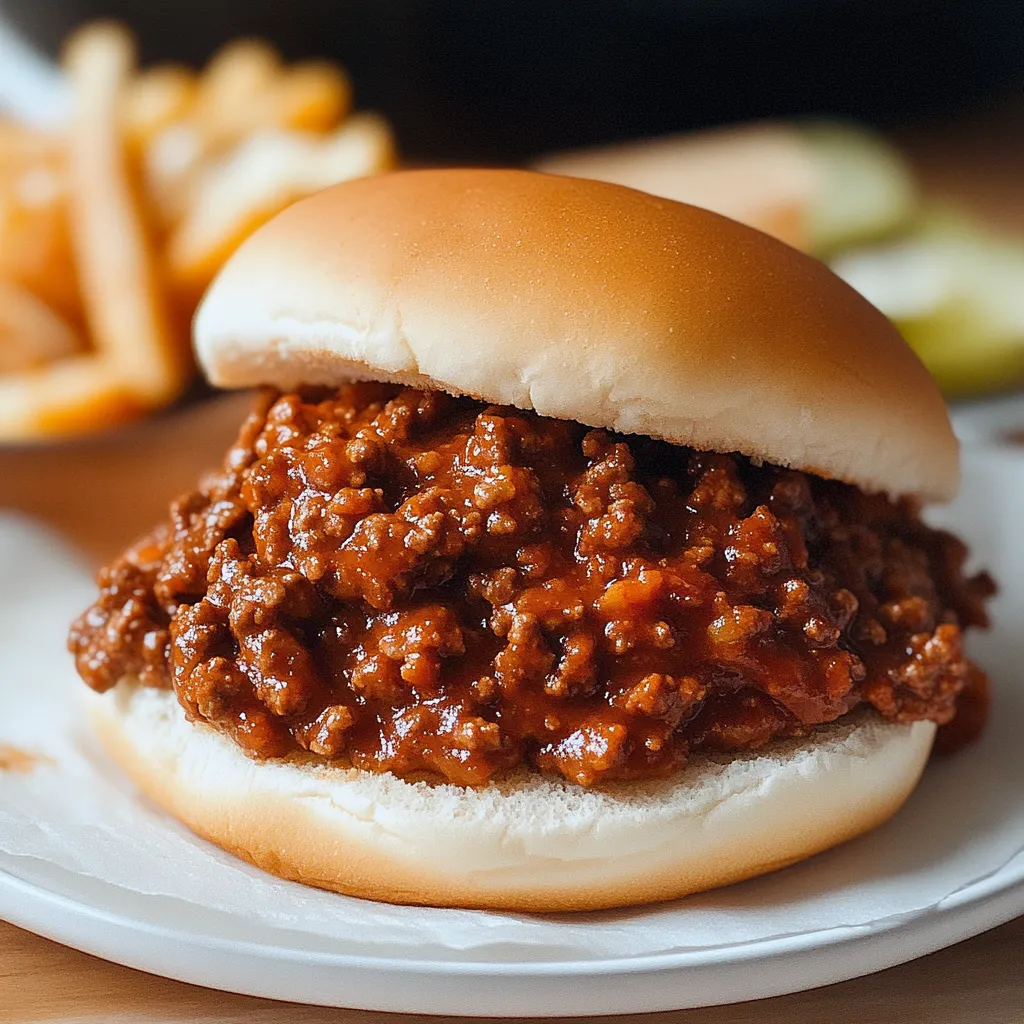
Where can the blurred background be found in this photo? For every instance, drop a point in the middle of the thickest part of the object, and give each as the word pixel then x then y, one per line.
pixel 885 137
pixel 505 80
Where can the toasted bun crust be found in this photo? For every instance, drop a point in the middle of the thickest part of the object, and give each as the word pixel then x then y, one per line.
pixel 529 843
pixel 584 301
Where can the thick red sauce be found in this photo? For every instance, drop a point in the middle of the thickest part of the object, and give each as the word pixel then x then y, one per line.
pixel 409 582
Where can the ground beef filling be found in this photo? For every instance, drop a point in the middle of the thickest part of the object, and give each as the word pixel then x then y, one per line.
pixel 413 583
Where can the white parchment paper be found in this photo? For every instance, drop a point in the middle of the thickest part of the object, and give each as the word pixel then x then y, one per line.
pixel 71 824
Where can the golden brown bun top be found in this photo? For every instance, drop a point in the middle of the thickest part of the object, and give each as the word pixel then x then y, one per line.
pixel 585 301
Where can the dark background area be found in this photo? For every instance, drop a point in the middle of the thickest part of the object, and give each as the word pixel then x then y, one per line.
pixel 500 80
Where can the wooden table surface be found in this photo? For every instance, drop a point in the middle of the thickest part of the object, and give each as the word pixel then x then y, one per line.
pixel 100 492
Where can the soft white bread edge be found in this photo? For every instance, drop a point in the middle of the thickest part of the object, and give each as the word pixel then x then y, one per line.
pixel 528 843
pixel 583 301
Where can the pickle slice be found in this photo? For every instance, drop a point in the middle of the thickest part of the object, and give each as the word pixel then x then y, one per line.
pixel 956 292
pixel 865 188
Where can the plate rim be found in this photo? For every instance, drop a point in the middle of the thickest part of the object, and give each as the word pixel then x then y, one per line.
pixel 789 963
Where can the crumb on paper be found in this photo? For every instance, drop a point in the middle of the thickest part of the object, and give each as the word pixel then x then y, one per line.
pixel 13 759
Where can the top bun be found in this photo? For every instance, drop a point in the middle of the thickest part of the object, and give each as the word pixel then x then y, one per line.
pixel 583 301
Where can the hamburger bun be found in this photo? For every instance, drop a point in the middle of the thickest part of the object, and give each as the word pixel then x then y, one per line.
pixel 585 301
pixel 527 843
pixel 592 302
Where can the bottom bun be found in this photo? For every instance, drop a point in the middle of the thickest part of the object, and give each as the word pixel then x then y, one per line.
pixel 527 842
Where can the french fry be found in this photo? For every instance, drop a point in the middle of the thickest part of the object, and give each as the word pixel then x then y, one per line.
pixel 121 287
pixel 21 146
pixel 170 164
pixel 31 333
pixel 233 91
pixel 68 397
pixel 312 96
pixel 157 99
pixel 261 178
pixel 111 230
pixel 35 245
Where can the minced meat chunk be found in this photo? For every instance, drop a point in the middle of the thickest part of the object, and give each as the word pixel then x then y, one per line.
pixel 409 582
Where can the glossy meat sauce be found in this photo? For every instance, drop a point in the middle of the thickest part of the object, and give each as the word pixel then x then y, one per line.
pixel 409 582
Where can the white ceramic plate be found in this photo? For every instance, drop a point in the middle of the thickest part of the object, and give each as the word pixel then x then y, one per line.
pixel 281 969
pixel 949 866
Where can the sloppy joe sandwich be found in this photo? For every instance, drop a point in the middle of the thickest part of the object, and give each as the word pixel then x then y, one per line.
pixel 571 557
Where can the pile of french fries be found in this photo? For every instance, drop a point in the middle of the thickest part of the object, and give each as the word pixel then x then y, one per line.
pixel 111 230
